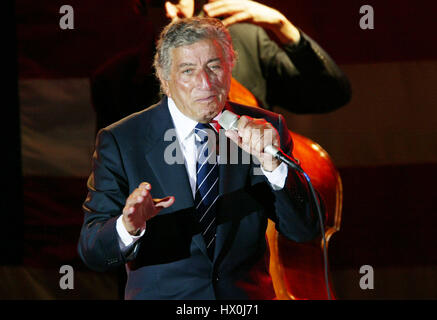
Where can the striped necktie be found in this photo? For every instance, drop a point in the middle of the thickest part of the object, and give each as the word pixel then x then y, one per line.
pixel 207 185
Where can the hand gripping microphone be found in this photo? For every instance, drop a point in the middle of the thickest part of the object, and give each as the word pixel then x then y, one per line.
pixel 229 121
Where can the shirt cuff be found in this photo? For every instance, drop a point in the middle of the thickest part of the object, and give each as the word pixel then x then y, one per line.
pixel 277 177
pixel 125 239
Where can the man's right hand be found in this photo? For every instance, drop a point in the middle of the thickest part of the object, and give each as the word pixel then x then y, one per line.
pixel 140 207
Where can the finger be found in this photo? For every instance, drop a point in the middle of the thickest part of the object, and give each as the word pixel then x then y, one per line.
pixel 164 202
pixel 138 196
pixel 271 136
pixel 245 130
pixel 145 198
pixel 128 210
pixel 242 124
pixel 246 137
pixel 134 204
pixel 134 196
pixel 144 208
pixel 222 7
pixel 145 185
pixel 171 10
pixel 221 12
pixel 130 201
pixel 233 135
pixel 238 17
pixel 257 141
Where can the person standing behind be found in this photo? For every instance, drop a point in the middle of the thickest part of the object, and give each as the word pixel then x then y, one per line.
pixel 194 229
pixel 297 75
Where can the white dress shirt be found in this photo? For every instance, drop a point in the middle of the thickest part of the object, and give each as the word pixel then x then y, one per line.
pixel 184 127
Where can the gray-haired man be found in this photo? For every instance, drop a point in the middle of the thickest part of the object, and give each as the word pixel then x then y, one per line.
pixel 192 230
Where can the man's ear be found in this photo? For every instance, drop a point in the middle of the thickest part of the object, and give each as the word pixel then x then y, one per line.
pixel 163 82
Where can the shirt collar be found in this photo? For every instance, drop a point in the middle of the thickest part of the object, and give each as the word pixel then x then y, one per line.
pixel 184 125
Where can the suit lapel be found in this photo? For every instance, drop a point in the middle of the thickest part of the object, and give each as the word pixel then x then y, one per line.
pixel 172 175
pixel 163 144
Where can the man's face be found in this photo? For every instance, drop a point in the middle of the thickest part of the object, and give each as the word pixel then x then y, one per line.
pixel 199 80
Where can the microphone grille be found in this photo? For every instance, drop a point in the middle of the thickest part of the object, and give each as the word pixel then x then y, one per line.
pixel 228 120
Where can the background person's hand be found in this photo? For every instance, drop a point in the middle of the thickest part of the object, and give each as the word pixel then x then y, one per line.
pixel 140 207
pixel 179 10
pixel 235 11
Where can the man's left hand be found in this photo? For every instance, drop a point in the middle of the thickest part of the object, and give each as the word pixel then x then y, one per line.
pixel 253 136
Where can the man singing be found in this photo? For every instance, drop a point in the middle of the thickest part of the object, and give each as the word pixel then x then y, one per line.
pixel 193 229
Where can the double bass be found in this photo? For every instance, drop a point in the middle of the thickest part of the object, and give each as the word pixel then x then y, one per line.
pixel 298 269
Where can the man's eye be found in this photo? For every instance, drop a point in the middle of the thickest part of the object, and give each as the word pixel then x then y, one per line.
pixel 216 67
pixel 187 71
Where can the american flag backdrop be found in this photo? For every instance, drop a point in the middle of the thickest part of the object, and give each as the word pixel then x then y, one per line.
pixel 384 142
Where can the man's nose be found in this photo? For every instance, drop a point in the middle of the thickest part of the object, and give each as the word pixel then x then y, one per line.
pixel 204 80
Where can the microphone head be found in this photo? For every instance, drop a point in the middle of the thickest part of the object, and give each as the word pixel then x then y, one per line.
pixel 271 150
pixel 228 120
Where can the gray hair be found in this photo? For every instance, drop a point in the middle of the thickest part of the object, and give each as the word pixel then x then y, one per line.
pixel 185 32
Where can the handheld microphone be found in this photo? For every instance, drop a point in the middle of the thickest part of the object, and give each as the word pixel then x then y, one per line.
pixel 229 121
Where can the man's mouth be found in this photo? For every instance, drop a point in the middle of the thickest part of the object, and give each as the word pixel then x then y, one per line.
pixel 206 99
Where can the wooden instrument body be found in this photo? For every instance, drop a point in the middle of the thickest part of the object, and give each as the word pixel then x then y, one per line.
pixel 297 269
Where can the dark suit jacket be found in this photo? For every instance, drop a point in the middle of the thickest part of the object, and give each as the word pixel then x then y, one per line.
pixel 301 79
pixel 170 261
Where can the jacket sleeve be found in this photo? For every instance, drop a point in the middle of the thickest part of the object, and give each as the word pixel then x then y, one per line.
pixel 302 78
pixel 291 208
pixel 107 191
